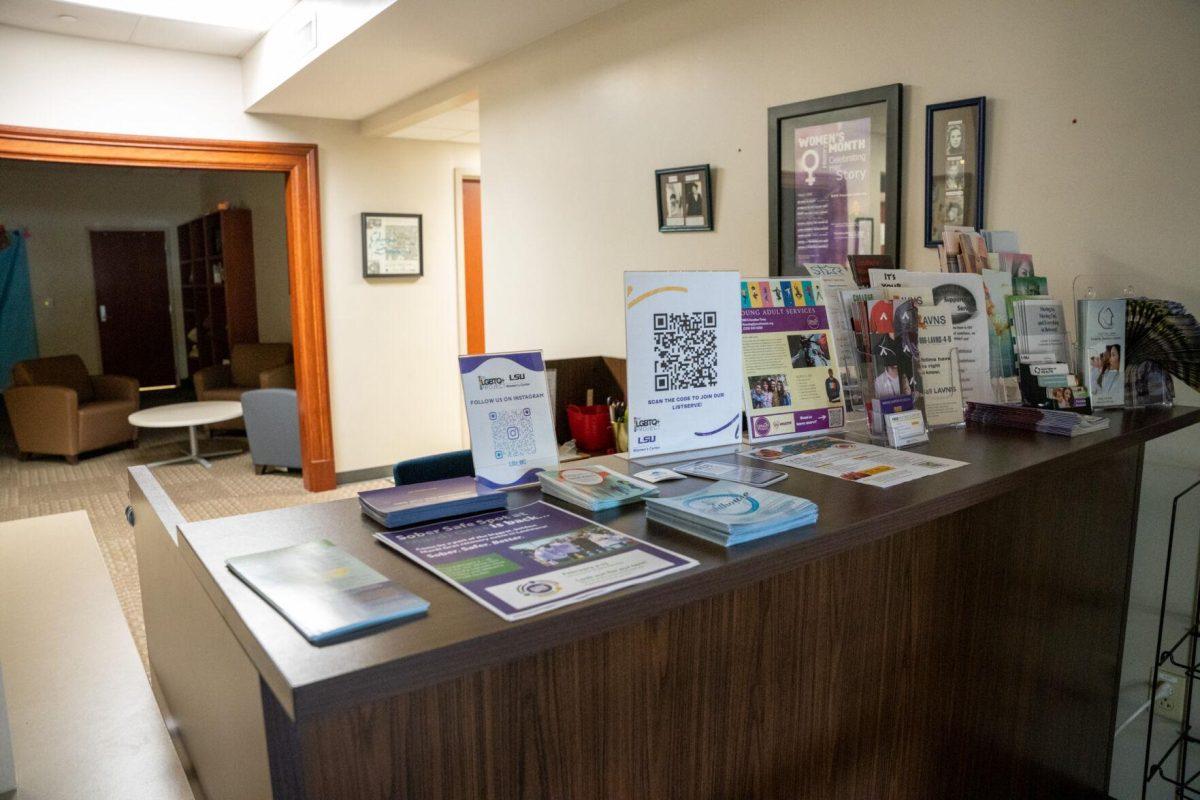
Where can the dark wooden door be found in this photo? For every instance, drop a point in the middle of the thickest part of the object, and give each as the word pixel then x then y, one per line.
pixel 133 309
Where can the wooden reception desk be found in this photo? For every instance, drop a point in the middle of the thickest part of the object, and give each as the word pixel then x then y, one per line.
pixel 957 636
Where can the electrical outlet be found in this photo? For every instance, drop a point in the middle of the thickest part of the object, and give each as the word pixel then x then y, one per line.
pixel 1171 706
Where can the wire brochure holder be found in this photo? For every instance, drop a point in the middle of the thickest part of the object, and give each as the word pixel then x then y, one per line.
pixel 1186 785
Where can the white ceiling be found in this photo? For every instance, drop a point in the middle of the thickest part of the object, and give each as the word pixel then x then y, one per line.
pixel 416 44
pixel 409 47
pixel 122 26
pixel 456 125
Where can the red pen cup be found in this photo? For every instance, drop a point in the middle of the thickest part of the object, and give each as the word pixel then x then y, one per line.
pixel 591 428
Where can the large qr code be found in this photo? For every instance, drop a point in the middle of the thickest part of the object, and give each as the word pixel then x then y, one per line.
pixel 685 351
pixel 512 433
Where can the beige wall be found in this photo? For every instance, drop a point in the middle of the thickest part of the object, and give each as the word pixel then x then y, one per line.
pixel 1093 113
pixel 392 344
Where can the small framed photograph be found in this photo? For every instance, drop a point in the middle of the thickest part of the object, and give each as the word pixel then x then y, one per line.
pixel 392 245
pixel 954 164
pixel 684 198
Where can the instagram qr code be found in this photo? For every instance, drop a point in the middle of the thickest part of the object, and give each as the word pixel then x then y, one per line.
pixel 512 433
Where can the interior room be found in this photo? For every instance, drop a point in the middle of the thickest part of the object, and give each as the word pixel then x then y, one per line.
pixel 595 399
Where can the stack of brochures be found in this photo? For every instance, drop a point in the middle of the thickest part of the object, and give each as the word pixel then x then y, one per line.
pixel 325 592
pixel 397 506
pixel 593 487
pixel 1041 420
pixel 731 513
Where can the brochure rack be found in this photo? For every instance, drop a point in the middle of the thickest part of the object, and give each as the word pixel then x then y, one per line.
pixel 1145 384
pixel 1184 654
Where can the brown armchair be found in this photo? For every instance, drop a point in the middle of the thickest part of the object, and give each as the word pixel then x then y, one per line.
pixel 56 408
pixel 251 366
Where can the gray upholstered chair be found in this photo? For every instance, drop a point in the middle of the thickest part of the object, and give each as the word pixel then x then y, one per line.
pixel 273 428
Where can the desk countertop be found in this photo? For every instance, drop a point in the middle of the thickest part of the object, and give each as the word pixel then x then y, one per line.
pixel 459 636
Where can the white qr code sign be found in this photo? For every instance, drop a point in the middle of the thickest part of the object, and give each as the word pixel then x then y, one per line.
pixel 684 360
pixel 509 417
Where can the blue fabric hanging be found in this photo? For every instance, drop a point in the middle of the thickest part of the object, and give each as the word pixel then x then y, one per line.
pixel 18 335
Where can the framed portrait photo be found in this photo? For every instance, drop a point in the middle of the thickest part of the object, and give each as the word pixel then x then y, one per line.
pixel 684 198
pixel 392 245
pixel 954 136
pixel 834 172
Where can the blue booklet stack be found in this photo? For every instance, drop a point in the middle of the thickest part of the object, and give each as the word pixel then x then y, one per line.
pixel 325 592
pixel 411 504
pixel 730 513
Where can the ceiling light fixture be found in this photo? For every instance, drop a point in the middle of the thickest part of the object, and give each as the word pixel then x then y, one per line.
pixel 250 15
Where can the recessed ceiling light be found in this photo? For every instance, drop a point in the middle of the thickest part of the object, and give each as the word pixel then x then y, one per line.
pixel 67 18
pixel 252 15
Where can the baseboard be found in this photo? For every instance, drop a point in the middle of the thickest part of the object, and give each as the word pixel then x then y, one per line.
pixel 367 474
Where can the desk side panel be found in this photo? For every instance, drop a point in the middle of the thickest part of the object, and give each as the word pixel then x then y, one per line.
pixel 208 684
pixel 971 656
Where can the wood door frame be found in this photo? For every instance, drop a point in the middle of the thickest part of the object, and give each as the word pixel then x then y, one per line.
pixel 460 268
pixel 298 162
pixel 460 251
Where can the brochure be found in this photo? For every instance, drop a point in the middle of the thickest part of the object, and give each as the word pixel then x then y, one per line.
pixel 1102 350
pixel 325 592
pixel 1059 423
pixel 836 279
pixel 532 559
pixel 731 513
pixel 941 384
pixel 791 379
pixel 997 285
pixel 595 488
pixel 963 295
pixel 509 417
pixel 396 506
pixel 684 362
pixel 1039 326
pixel 738 473
pixel 851 461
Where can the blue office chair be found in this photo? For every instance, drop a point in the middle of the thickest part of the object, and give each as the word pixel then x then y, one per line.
pixel 272 427
pixel 438 467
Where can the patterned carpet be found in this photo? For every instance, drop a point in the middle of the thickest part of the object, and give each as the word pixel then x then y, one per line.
pixel 99 486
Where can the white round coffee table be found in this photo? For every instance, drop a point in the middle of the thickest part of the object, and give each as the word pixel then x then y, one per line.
pixel 179 415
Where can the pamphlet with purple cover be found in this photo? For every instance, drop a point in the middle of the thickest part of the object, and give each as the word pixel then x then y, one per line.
pixel 532 559
pixel 410 504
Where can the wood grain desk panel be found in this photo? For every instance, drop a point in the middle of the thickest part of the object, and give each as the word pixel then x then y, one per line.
pixel 84 721
pixel 955 636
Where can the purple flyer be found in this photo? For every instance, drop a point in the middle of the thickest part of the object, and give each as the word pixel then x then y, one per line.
pixel 833 162
pixel 532 559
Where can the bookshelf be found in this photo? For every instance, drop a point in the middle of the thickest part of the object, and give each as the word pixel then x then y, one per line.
pixel 216 271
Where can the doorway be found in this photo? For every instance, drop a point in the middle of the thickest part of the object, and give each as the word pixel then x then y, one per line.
pixel 133 306
pixel 298 163
pixel 469 215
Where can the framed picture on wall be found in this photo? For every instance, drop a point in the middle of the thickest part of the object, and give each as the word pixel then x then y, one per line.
pixel 954 136
pixel 834 172
pixel 684 198
pixel 392 245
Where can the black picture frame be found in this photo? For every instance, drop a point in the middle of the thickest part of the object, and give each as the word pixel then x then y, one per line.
pixel 684 177
pixel 883 103
pixel 971 155
pixel 371 269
